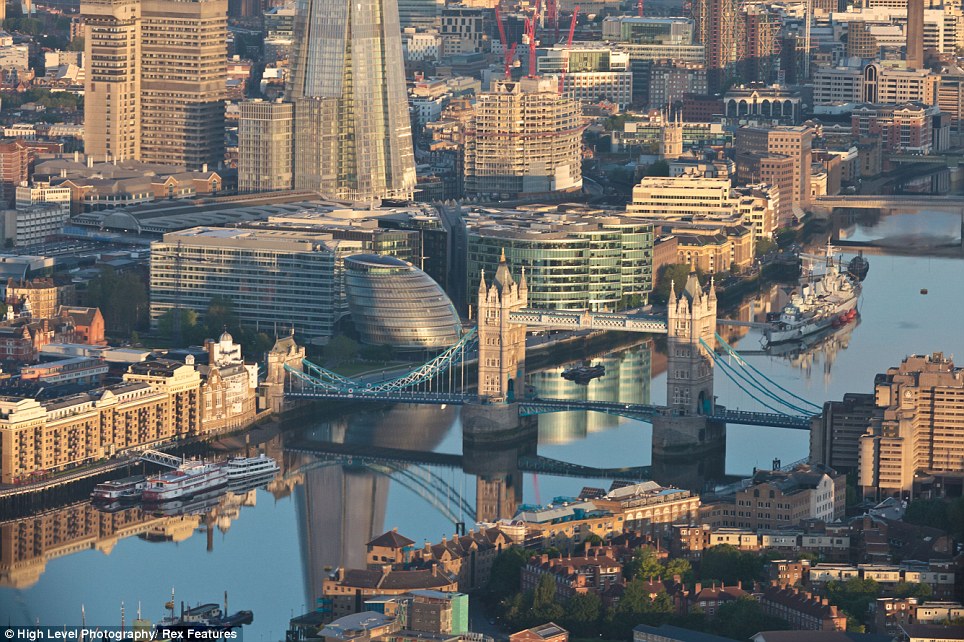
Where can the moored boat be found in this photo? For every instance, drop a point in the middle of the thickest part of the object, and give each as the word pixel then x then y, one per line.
pixel 241 468
pixel 189 479
pixel 128 489
pixel 821 302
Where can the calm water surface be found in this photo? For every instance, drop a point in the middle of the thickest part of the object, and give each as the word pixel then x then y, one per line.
pixel 271 548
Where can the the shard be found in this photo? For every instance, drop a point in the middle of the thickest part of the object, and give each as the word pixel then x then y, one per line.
pixel 353 137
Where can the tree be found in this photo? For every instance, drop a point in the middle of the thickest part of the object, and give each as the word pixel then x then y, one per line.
pixel 679 566
pixel 912 589
pixel 677 273
pixel 764 246
pixel 729 565
pixel 122 299
pixel 659 168
pixel 77 44
pixel 506 573
pixel 545 608
pixel 583 612
pixel 545 592
pixel 743 618
pixel 190 328
pixel 220 316
pixel 854 596
pixel 341 349
pixel 645 564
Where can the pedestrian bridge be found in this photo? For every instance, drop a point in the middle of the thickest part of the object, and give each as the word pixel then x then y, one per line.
pixel 632 321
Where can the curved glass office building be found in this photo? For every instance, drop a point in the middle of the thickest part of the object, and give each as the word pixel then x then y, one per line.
pixel 394 303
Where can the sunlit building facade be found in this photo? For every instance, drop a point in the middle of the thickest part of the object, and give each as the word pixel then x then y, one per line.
pixel 354 137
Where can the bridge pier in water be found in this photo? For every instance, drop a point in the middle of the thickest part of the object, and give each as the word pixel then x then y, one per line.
pixel 689 447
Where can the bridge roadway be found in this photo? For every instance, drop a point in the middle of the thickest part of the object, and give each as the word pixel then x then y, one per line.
pixel 644 412
pixel 538 406
pixel 359 453
pixel 626 322
pixel 899 201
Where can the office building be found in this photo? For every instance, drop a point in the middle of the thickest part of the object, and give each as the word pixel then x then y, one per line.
pixel 718 28
pixel 781 498
pixel 648 30
pixel 835 434
pixel 394 303
pixel 274 277
pixel 573 260
pixel 14 169
pixel 589 73
pixel 901 129
pixel 524 140
pixel 874 83
pixel 112 84
pixel 354 137
pixel 916 425
pixel 682 197
pixel 789 142
pixel 183 82
pixel 155 83
pixel 265 146
pixel 419 13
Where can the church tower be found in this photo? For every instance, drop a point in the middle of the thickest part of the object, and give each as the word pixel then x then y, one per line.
pixel 689 377
pixel 671 143
pixel 502 344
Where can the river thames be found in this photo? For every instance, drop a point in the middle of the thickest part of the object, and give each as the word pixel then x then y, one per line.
pixel 271 548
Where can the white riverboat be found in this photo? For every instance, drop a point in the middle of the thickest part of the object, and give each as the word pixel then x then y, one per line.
pixel 241 468
pixel 189 479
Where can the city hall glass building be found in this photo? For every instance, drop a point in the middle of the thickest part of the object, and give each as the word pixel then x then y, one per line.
pixel 354 136
pixel 394 303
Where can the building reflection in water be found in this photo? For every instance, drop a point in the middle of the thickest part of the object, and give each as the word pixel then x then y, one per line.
pixel 27 544
pixel 627 379
pixel 342 507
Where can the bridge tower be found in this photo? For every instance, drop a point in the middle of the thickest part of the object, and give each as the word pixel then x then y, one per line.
pixel 502 345
pixel 689 374
pixel 689 448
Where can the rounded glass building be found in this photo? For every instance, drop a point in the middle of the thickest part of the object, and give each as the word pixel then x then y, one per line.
pixel 394 303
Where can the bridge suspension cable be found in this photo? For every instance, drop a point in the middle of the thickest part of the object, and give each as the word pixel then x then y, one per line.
pixel 727 370
pixel 318 377
pixel 743 362
pixel 731 372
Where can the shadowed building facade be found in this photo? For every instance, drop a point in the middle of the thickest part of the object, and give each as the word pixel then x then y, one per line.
pixel 354 137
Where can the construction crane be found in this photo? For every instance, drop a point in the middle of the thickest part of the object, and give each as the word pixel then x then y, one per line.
pixel 552 9
pixel 509 51
pixel 572 32
pixel 530 29
pixel 639 7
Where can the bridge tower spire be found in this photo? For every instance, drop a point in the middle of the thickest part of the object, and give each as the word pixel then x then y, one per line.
pixel 689 319
pixel 502 345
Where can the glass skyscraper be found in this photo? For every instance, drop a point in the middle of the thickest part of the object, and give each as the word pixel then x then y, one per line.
pixel 353 136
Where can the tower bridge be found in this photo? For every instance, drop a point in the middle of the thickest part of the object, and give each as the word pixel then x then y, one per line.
pixel 692 421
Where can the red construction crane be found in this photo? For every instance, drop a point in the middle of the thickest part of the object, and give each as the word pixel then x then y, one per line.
pixel 572 26
pixel 639 6
pixel 509 51
pixel 572 31
pixel 530 27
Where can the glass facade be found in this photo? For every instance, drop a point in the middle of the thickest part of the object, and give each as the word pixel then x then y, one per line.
pixel 275 279
pixel 572 262
pixel 354 136
pixel 394 303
